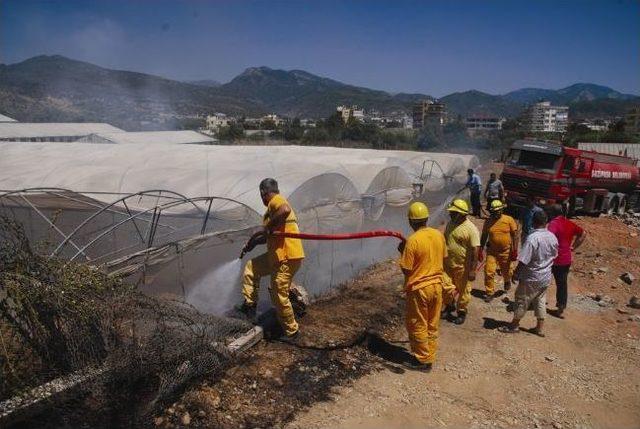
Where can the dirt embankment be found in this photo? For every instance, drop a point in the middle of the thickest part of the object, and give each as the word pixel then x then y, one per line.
pixel 585 373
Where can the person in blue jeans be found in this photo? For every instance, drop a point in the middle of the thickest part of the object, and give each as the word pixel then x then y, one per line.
pixel 526 216
pixel 474 183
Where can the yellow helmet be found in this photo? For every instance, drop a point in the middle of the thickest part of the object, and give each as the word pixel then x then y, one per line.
pixel 497 205
pixel 418 211
pixel 460 206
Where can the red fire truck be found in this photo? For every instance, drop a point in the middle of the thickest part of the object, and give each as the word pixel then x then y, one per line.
pixel 583 181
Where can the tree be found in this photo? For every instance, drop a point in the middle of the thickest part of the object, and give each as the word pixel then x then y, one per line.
pixel 316 135
pixel 431 136
pixel 293 131
pixel 231 132
pixel 268 124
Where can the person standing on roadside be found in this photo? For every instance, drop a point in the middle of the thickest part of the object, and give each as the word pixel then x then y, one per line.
pixel 526 216
pixel 463 243
pixel 500 236
pixel 422 265
pixel 494 191
pixel 474 183
pixel 534 275
pixel 570 236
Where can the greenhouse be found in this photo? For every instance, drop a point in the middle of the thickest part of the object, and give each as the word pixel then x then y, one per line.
pixel 169 215
pixel 154 233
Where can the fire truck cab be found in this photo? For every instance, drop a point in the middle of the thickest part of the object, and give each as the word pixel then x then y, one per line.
pixel 583 181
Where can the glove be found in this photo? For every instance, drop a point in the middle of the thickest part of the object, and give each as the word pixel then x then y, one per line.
pixel 513 256
pixel 481 254
pixel 247 248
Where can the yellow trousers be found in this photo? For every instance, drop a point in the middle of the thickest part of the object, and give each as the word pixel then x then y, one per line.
pixel 490 267
pixel 459 283
pixel 423 320
pixel 281 276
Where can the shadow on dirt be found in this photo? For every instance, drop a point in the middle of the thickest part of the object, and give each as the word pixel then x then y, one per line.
pixel 477 293
pixel 490 323
pixel 385 350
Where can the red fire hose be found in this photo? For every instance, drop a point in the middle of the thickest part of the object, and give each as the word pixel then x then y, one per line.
pixel 350 236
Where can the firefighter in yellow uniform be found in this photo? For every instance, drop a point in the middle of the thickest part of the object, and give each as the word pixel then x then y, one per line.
pixel 422 264
pixel 500 234
pixel 463 242
pixel 283 258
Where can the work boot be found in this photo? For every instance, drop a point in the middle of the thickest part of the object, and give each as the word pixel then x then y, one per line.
pixel 446 312
pixel 248 310
pixel 290 339
pixel 416 365
pixel 460 319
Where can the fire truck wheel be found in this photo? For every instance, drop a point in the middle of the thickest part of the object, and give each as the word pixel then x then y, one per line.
pixel 622 206
pixel 613 206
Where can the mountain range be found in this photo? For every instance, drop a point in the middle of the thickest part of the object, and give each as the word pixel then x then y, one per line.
pixel 56 88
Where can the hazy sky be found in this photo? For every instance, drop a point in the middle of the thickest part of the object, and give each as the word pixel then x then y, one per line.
pixel 433 47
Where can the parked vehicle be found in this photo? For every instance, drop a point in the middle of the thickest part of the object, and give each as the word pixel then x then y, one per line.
pixel 584 181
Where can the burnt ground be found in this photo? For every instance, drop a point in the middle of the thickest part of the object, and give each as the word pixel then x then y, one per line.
pixel 585 373
pixel 273 381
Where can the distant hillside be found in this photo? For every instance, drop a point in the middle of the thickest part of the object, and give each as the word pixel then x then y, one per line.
pixel 580 92
pixel 476 103
pixel 299 93
pixel 603 108
pixel 205 82
pixel 55 88
pixel 584 100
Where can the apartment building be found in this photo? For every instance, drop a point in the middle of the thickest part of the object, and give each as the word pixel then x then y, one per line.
pixel 543 117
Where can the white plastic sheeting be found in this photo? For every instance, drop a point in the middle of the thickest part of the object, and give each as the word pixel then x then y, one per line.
pixel 23 130
pixel 631 150
pixel 152 137
pixel 230 171
pixel 175 247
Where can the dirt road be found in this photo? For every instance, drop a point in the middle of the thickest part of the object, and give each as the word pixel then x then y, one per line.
pixel 585 373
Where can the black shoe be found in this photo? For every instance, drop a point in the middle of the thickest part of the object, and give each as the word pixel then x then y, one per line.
pixel 415 365
pixel 290 339
pixel 460 319
pixel 488 298
pixel 446 312
pixel 248 310
pixel 299 307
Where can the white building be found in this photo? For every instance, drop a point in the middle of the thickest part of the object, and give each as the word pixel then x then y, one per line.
pixel 216 121
pixel 272 118
pixel 348 112
pixel 478 123
pixel 596 125
pixel 543 117
pixel 407 122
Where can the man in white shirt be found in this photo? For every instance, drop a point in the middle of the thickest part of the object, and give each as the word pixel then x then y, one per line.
pixel 534 274
pixel 494 190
